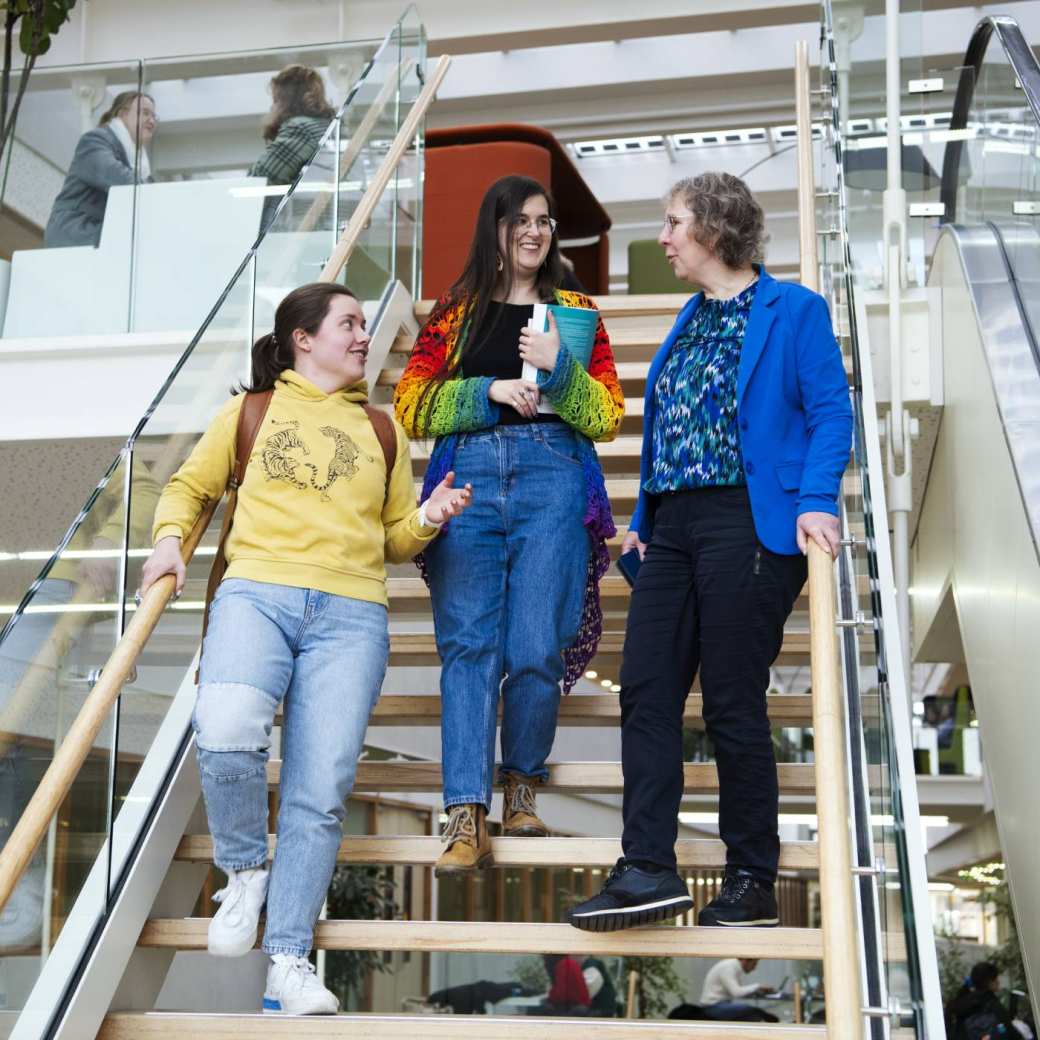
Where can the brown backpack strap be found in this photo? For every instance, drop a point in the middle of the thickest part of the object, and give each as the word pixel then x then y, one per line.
pixel 250 417
pixel 387 435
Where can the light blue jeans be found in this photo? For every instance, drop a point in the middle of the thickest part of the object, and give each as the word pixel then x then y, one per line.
pixel 326 657
pixel 507 583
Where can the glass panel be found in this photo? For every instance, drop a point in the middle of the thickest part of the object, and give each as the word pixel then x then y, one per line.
pixel 386 249
pixel 858 32
pixel 1004 174
pixel 52 648
pixel 853 261
pixel 79 180
pixel 56 641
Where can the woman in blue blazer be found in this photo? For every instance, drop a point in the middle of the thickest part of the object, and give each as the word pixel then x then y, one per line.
pixel 746 433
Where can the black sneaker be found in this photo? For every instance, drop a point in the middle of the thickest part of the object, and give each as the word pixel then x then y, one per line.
pixel 744 902
pixel 632 896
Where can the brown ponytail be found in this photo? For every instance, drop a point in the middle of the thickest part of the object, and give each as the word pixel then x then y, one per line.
pixel 304 308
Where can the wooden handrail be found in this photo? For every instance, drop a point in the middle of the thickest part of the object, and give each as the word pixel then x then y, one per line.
pixel 363 214
pixel 74 749
pixel 841 972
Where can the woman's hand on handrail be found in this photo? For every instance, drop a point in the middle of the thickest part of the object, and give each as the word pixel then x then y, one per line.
pixel 166 558
pixel 822 528
pixel 631 541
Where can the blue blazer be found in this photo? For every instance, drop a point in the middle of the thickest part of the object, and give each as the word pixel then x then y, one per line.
pixel 792 407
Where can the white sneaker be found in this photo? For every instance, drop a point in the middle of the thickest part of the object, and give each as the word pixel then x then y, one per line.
pixel 293 988
pixel 232 932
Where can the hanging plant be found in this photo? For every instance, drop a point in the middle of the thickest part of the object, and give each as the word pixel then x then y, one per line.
pixel 33 23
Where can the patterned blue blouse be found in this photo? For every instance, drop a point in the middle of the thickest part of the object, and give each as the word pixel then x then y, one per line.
pixel 696 437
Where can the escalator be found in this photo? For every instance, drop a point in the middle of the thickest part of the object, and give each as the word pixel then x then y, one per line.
pixel 111 891
pixel 976 557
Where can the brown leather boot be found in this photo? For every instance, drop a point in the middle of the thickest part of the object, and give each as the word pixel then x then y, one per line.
pixel 519 813
pixel 467 845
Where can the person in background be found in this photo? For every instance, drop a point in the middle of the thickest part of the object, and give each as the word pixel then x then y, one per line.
pixel 111 154
pixel 725 989
pixel 747 428
pixel 299 116
pixel 601 988
pixel 568 994
pixel 976 1012
pixel 531 551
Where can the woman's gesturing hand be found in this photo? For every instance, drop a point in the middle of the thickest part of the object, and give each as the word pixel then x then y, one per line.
pixel 446 500
pixel 518 394
pixel 165 559
pixel 631 541
pixel 541 348
pixel 822 528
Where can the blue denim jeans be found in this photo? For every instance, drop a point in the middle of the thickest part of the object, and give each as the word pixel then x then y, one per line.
pixel 507 582
pixel 326 657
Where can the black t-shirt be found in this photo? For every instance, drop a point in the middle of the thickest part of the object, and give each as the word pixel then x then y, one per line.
pixel 498 355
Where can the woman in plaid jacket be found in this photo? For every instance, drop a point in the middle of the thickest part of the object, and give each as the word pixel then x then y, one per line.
pixel 300 115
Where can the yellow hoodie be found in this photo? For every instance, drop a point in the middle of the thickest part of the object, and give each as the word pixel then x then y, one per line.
pixel 311 510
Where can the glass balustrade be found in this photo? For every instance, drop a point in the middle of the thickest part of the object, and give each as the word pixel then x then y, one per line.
pixel 58 635
pixel 139 242
pixel 891 896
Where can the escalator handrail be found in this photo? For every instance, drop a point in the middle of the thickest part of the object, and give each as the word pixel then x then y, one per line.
pixel 1026 68
pixel 1012 274
pixel 74 749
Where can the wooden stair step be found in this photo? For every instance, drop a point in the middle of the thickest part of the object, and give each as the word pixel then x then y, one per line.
pixel 412 594
pixel 632 375
pixel 623 492
pixel 189 933
pixel 582 709
pixel 579 777
pixel 691 853
pixel 147 1025
pixel 419 648
pixel 664 305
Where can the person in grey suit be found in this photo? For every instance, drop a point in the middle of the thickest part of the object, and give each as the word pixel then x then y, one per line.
pixel 111 154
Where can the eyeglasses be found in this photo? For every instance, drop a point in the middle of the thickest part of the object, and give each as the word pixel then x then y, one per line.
pixel 671 223
pixel 543 225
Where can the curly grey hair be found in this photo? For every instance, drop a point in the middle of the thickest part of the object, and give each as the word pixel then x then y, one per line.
pixel 726 218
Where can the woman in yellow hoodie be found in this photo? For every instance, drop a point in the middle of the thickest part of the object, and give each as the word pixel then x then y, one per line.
pixel 300 616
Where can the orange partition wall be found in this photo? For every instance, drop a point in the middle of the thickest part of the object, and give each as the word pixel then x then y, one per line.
pixel 463 162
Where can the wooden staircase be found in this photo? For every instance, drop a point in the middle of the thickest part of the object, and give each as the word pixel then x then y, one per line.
pixel 636 326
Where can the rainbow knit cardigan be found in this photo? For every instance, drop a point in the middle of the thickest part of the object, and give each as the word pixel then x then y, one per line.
pixel 590 401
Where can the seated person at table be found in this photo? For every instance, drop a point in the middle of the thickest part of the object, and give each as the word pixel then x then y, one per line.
pixel 568 994
pixel 724 988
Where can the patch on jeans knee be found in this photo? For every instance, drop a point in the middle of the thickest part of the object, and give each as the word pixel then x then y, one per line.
pixel 233 717
pixel 224 767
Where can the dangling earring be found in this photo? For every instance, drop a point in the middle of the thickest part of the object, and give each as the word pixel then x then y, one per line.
pixel 499 263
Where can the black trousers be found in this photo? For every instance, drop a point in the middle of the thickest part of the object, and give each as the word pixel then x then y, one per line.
pixel 709 597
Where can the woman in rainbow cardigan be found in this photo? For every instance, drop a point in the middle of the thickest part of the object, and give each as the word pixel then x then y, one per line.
pixel 529 554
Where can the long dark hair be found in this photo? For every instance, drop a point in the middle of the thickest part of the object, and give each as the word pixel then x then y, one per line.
pixel 298 90
pixel 504 200
pixel 304 308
